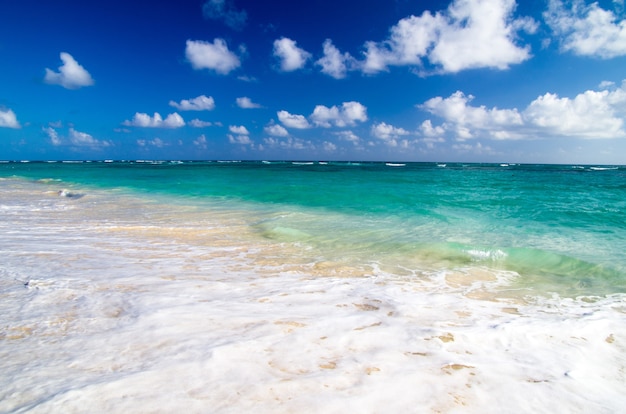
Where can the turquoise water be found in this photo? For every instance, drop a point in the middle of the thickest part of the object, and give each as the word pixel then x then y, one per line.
pixel 560 228
pixel 283 287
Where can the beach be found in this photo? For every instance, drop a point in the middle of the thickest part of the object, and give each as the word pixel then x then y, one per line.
pixel 155 287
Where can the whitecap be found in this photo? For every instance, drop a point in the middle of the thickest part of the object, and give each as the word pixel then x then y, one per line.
pixel 69 194
pixel 479 255
pixel 603 168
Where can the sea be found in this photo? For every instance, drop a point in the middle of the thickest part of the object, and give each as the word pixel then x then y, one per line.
pixel 312 287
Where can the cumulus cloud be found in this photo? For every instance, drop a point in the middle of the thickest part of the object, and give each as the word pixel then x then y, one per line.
pixel 201 142
pixel 293 121
pixel 156 142
pixel 241 130
pixel 75 138
pixel 606 84
pixel 389 134
pixel 290 143
pixel 201 103
pixel 246 103
pixel 240 139
pixel 329 146
pixel 346 115
pixel 197 123
pixel 334 63
pixel 8 119
pixel 71 74
pixel 589 115
pixel 144 120
pixel 225 11
pixel 428 130
pixel 467 118
pixel 214 56
pixel 291 57
pixel 276 130
pixel 469 34
pixel 84 139
pixel 587 30
pixel 385 131
pixel 348 136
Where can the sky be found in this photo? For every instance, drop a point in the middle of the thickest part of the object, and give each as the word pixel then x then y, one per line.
pixel 535 81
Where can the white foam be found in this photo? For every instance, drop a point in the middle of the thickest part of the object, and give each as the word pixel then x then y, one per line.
pixel 603 168
pixel 123 305
pixel 487 254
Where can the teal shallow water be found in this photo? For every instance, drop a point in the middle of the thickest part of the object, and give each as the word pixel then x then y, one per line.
pixel 562 228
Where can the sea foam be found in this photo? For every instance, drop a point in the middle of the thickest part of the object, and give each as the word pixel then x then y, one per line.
pixel 123 303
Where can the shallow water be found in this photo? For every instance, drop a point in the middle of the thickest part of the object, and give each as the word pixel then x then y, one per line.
pixel 316 288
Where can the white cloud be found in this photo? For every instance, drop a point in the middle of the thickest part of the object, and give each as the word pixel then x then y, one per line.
pixel 348 136
pixel 290 143
pixel 477 148
pixel 225 10
pixel 469 34
pixel 409 41
pixel 353 111
pixel 76 138
pixel 589 115
pixel 241 130
pixel 465 117
pixel 156 142
pixel 291 56
pixel 428 130
pixel 329 146
pixel 197 123
pixel 146 121
pixel 587 30
pixel 293 121
pixel 83 139
pixel 71 74
pixel 486 40
pixel 214 56
pixel 240 139
pixel 606 84
pixel 201 142
pixel 173 121
pixel 347 114
pixel 276 130
pixel 385 131
pixel 8 119
pixel 246 103
pixel 53 135
pixel 201 103
pixel 389 133
pixel 246 78
pixel 592 114
pixel 334 63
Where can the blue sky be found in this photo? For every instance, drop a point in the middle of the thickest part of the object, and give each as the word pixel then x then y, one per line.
pixel 539 81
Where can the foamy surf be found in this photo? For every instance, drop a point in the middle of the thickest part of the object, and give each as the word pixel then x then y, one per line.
pixel 122 302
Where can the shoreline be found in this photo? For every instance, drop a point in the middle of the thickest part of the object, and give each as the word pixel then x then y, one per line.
pixel 124 304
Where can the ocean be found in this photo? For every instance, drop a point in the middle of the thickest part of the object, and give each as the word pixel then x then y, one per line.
pixel 276 287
